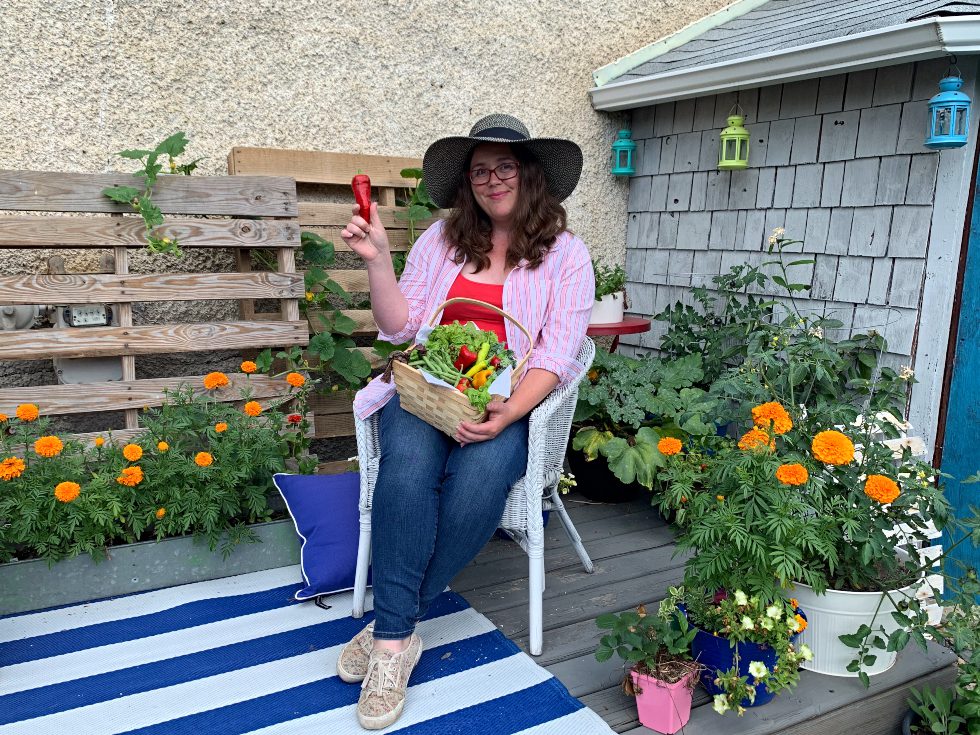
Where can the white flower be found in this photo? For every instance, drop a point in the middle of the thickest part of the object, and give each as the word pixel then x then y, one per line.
pixel 758 669
pixel 741 598
pixel 859 421
pixel 768 623
pixel 774 612
pixel 793 624
pixel 906 372
pixel 747 623
pixel 720 705
pixel 914 443
pixel 776 235
pixel 891 419
pixel 805 653
pixel 803 413
pixel 816 332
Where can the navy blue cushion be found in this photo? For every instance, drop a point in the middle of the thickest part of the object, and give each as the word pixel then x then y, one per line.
pixel 324 509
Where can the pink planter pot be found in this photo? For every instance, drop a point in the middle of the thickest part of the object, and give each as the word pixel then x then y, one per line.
pixel 663 707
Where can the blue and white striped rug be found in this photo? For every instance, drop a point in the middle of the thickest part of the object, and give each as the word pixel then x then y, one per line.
pixel 238 655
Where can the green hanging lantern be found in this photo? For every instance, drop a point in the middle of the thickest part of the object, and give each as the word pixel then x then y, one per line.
pixel 734 153
pixel 622 150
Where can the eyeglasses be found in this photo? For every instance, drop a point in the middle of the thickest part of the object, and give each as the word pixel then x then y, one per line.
pixel 504 171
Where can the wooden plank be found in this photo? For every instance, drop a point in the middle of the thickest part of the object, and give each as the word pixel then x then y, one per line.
pixel 397 239
pixel 61 400
pixel 362 317
pixel 326 214
pixel 331 403
pixel 248 196
pixel 42 344
pixel 92 288
pixel 321 167
pixel 335 468
pixel 101 232
pixel 333 425
pixel 124 319
pixel 351 281
pixel 288 307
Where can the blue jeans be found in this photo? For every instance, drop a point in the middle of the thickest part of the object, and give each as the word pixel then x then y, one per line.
pixel 435 505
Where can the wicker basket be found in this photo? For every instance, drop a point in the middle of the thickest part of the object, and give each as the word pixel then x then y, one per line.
pixel 437 405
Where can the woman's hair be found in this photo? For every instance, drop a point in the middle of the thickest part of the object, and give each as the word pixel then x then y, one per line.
pixel 538 219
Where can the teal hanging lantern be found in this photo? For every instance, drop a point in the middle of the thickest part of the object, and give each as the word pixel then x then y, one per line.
pixel 949 113
pixel 734 143
pixel 622 154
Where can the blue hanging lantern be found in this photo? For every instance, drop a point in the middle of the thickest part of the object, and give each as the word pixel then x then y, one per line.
pixel 623 148
pixel 949 114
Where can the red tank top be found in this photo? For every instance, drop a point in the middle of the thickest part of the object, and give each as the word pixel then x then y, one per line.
pixel 482 317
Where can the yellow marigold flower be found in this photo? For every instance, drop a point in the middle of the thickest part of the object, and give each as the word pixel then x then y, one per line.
pixel 249 367
pixel 48 446
pixel 802 621
pixel 161 512
pixel 881 488
pixel 162 446
pixel 719 498
pixel 130 476
pixel 132 452
pixel 309 295
pixel 792 474
pixel 215 380
pixel 832 447
pixel 253 408
pixel 99 441
pixel 27 412
pixel 772 416
pixel 203 459
pixel 67 491
pixel 669 445
pixel 756 439
pixel 221 427
pixel 593 375
pixel 3 418
pixel 295 379
pixel 11 468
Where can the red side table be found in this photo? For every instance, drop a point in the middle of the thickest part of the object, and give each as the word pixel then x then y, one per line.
pixel 629 325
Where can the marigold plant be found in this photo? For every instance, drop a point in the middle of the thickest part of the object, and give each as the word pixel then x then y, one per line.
pixel 161 512
pixel 792 474
pixel 215 380
pixel 295 379
pixel 67 491
pixel 132 452
pixel 3 418
pixel 162 446
pixel 833 447
pixel 99 441
pixel 755 439
pixel 221 427
pixel 771 416
pixel 27 412
pixel 48 446
pixel 669 446
pixel 11 468
pixel 253 408
pixel 130 476
pixel 203 459
pixel 882 489
pixel 249 367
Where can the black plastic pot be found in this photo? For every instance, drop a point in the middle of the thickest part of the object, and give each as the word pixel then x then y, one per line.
pixel 907 722
pixel 597 482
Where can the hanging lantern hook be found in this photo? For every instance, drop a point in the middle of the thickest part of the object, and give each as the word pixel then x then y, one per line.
pixel 953 67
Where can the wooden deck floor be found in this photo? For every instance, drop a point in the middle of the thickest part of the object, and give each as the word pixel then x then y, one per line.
pixel 633 552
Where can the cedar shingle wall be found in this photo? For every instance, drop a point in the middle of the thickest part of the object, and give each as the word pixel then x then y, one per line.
pixel 838 162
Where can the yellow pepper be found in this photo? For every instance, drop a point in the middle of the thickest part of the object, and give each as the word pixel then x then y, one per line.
pixel 477 367
pixel 480 379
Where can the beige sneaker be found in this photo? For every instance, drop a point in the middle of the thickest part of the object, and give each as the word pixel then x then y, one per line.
pixel 383 691
pixel 352 665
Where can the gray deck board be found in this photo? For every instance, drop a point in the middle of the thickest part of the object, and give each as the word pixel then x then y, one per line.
pixel 633 552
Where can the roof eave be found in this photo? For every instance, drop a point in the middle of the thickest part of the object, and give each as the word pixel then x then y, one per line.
pixel 924 39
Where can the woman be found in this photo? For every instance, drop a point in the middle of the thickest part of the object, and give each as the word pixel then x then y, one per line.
pixel 438 499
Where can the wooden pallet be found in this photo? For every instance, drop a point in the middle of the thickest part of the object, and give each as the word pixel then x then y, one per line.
pixel 226 213
pixel 333 417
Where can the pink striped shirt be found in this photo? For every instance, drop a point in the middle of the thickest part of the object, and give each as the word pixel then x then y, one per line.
pixel 553 301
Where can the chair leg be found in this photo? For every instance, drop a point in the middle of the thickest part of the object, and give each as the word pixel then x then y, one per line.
pixel 573 536
pixel 536 594
pixel 361 573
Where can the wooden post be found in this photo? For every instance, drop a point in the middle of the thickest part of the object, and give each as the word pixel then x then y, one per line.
pixel 125 314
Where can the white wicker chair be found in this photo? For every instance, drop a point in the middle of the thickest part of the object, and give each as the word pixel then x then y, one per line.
pixel 548 432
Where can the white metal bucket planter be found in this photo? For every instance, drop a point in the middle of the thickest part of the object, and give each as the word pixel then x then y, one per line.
pixel 608 309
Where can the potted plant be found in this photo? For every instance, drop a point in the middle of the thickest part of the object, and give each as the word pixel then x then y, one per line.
pixel 657 649
pixel 610 299
pixel 956 709
pixel 625 408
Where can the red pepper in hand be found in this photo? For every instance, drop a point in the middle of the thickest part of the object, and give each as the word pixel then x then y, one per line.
pixel 466 358
pixel 462 385
pixel 361 184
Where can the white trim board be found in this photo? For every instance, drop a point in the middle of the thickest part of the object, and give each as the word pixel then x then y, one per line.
pixel 908 42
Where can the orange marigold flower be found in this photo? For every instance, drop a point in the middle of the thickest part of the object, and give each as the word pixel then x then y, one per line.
pixel 99 441
pixel 249 367
pixel 27 412
pixel 669 445
pixel 802 621
pixel 881 488
pixel 215 380
pixel 161 512
pixel 220 427
pixel 3 418
pixel 593 375
pixel 253 408
pixel 48 446
pixel 794 602
pixel 719 498
pixel 295 379
pixel 792 474
pixel 772 416
pixel 67 491
pixel 130 476
pixel 11 468
pixel 203 459
pixel 162 446
pixel 832 447
pixel 756 439
pixel 133 452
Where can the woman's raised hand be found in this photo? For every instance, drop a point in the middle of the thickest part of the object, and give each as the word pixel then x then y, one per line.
pixel 368 240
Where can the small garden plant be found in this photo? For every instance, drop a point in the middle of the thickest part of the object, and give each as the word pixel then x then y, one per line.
pixel 608 279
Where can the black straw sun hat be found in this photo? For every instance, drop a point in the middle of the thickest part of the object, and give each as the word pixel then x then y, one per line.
pixel 445 160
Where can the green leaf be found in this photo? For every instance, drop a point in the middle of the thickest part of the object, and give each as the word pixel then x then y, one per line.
pixel 316 250
pixel 173 146
pixel 418 212
pixel 122 194
pixel 344 324
pixel 322 345
pixel 606 620
pixel 590 441
pixel 351 365
pixel 410 173
pixel 135 154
